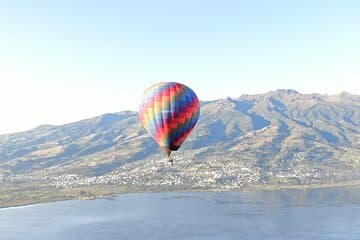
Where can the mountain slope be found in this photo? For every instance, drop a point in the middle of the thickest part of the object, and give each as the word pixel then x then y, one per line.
pixel 280 137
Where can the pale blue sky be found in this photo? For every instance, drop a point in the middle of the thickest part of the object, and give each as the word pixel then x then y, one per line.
pixel 62 61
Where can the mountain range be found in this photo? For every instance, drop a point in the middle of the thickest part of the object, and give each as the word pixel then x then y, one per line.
pixel 280 137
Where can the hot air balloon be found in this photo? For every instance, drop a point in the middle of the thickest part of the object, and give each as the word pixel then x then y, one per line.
pixel 169 112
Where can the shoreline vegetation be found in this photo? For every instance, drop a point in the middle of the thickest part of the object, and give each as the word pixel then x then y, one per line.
pixel 16 197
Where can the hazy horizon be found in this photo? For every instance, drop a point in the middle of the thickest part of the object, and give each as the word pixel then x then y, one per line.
pixel 135 110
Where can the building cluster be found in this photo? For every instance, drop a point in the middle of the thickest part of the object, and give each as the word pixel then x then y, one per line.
pixel 216 174
pixel 226 178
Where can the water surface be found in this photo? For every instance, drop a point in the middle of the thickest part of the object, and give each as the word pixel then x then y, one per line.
pixel 291 214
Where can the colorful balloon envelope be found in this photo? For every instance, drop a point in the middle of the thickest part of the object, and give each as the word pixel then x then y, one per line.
pixel 169 112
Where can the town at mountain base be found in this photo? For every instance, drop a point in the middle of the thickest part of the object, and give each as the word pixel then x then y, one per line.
pixel 276 139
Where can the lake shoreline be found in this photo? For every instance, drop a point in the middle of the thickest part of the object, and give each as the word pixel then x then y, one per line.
pixel 323 213
pixel 93 193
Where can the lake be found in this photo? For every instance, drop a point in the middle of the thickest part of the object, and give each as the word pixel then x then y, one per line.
pixel 284 214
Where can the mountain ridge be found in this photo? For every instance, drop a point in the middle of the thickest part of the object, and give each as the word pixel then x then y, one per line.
pixel 277 138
